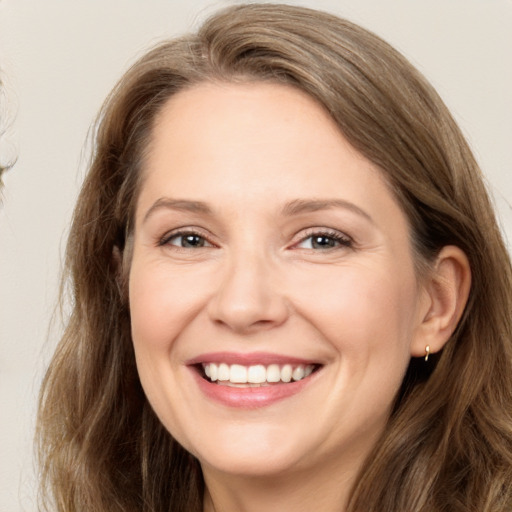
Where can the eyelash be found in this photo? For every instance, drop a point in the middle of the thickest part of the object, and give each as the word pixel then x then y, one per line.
pixel 165 240
pixel 337 238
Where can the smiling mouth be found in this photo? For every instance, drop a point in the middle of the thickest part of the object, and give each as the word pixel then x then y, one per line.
pixel 237 375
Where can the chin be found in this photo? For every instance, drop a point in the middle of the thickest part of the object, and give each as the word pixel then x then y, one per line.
pixel 256 452
pixel 262 466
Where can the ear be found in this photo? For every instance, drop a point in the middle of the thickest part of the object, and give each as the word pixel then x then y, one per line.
pixel 446 290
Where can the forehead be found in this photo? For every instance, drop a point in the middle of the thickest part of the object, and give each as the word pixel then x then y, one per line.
pixel 254 130
pixel 249 151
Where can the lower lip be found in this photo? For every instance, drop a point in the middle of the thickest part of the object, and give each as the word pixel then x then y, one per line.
pixel 250 397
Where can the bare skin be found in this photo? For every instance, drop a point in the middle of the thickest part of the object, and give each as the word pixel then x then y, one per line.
pixel 262 238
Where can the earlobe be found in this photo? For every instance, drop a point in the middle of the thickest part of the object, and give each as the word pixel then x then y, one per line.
pixel 447 287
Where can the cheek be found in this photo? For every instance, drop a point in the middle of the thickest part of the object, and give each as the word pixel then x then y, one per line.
pixel 148 311
pixel 361 309
pixel 150 328
pixel 162 303
pixel 161 307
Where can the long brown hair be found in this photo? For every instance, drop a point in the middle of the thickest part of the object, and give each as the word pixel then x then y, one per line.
pixel 448 444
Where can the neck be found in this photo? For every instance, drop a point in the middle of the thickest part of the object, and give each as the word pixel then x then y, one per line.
pixel 327 490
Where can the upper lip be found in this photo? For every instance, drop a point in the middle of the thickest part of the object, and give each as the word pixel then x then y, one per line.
pixel 248 359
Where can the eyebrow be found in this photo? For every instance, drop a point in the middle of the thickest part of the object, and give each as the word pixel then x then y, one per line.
pixel 299 206
pixel 183 205
pixel 295 207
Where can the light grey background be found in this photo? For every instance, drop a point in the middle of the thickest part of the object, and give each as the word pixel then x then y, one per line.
pixel 60 58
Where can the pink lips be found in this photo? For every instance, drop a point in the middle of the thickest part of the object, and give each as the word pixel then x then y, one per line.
pixel 248 397
pixel 264 358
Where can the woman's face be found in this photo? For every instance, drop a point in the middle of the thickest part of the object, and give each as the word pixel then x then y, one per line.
pixel 270 255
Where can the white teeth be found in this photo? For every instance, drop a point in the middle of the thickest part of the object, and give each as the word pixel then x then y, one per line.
pixel 238 374
pixel 223 373
pixel 298 373
pixel 286 373
pixel 273 373
pixel 256 374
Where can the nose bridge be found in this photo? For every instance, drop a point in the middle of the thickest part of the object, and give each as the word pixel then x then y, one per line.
pixel 248 296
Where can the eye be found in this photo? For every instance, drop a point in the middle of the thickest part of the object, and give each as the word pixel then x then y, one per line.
pixel 324 241
pixel 186 240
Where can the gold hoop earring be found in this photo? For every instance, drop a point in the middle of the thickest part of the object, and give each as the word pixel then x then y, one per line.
pixel 427 352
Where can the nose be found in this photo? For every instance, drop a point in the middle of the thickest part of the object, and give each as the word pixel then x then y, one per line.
pixel 249 296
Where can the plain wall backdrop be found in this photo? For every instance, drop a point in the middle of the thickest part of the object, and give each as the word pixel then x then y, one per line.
pixel 59 59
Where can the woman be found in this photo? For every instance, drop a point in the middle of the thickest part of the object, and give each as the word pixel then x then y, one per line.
pixel 290 291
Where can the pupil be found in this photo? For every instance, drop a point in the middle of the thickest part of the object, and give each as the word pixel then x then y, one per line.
pixel 192 241
pixel 323 242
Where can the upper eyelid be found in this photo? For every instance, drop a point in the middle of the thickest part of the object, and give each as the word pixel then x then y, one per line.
pixel 300 236
pixel 309 232
pixel 342 243
pixel 182 231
